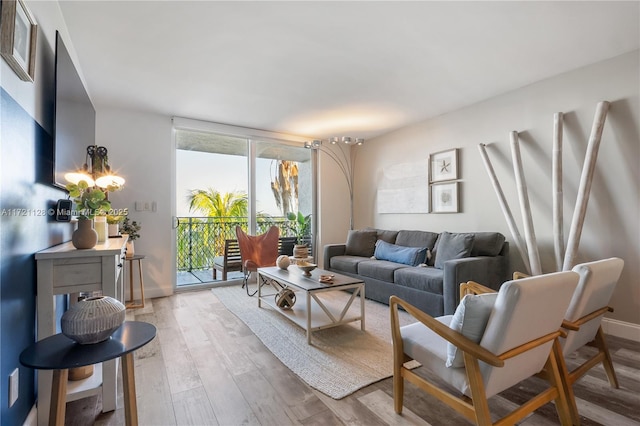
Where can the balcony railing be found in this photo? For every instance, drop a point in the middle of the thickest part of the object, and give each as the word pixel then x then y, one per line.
pixel 201 239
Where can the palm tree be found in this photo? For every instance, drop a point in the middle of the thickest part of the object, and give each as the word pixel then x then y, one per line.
pixel 284 184
pixel 227 208
pixel 212 203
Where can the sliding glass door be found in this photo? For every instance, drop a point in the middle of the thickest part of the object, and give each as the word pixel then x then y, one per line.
pixel 226 181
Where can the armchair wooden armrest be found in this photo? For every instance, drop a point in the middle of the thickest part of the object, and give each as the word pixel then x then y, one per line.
pixel 517 275
pixel 472 287
pixel 441 329
pixel 575 325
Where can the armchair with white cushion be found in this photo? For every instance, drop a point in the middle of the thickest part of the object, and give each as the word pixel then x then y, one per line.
pixel 582 321
pixel 491 343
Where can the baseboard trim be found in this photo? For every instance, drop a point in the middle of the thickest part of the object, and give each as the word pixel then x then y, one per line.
pixel 626 330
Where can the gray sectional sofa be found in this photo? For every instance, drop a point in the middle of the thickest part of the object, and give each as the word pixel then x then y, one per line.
pixel 424 268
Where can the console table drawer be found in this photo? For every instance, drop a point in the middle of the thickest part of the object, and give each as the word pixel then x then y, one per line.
pixel 77 274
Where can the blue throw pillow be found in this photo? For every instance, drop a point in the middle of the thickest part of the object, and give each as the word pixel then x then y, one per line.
pixel 413 256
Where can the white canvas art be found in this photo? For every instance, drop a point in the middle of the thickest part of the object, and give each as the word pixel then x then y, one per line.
pixel 404 188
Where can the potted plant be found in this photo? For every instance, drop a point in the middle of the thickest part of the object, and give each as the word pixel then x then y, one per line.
pixel 300 225
pixel 130 228
pixel 89 203
pixel 114 222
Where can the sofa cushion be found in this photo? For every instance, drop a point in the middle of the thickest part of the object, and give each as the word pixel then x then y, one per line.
pixel 487 244
pixel 424 279
pixel 361 242
pixel 453 246
pixel 470 319
pixel 416 239
pixel 346 263
pixel 385 235
pixel 412 256
pixel 379 269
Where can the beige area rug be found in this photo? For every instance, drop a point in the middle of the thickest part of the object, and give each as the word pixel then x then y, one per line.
pixel 340 360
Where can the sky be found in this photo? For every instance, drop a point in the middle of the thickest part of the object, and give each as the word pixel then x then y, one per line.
pixel 224 173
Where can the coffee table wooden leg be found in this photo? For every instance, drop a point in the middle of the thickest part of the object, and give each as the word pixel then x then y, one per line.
pixel 308 317
pixel 362 308
pixel 129 385
pixel 58 406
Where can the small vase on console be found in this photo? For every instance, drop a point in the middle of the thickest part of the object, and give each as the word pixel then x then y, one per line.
pixel 85 237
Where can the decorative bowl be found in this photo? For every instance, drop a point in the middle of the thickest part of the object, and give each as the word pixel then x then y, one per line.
pixel 306 268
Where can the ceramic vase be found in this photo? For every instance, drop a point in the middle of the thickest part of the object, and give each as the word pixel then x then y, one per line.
pixel 131 249
pixel 85 237
pixel 301 251
pixel 93 319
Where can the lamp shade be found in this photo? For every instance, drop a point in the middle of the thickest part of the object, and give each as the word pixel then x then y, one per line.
pixel 77 177
pixel 108 180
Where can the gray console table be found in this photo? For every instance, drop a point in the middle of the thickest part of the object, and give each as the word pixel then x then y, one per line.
pixel 63 269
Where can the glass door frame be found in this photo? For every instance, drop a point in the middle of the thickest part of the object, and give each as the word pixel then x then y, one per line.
pixel 253 137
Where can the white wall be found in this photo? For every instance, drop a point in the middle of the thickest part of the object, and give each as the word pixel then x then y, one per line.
pixel 140 148
pixel 612 223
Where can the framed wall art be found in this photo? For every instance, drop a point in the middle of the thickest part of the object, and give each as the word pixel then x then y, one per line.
pixel 444 197
pixel 18 34
pixel 444 165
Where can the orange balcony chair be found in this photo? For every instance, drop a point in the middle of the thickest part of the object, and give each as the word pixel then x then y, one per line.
pixel 257 251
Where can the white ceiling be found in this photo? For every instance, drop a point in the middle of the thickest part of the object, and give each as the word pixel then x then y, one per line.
pixel 321 69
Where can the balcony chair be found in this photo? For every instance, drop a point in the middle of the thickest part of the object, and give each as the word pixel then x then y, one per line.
pixel 491 343
pixel 257 251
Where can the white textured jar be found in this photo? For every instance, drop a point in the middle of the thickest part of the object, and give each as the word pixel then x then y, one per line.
pixel 93 320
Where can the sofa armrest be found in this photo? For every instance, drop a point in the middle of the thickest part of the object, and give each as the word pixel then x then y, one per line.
pixel 489 270
pixel 331 250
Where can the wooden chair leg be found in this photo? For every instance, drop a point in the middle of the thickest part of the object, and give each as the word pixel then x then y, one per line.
pixel 559 377
pixel 398 386
pixel 478 396
pixel 607 362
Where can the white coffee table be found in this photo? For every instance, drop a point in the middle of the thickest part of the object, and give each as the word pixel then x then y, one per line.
pixel 310 311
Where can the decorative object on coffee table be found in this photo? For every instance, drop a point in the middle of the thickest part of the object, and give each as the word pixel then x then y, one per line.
pixel 92 320
pixel 283 261
pixel 285 298
pixel 306 268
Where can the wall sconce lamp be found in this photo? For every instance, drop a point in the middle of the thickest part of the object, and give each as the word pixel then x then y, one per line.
pixel 96 170
pixel 345 159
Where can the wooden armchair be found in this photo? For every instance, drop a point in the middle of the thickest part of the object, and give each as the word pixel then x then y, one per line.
pixel 512 347
pixel 257 251
pixel 583 319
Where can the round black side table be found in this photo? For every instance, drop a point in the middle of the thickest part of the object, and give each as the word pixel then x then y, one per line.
pixel 59 353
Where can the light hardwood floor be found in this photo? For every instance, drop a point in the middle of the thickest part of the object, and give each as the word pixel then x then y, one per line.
pixel 205 367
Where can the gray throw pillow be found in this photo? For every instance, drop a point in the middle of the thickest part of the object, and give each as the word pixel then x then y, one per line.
pixel 452 246
pixel 470 319
pixel 361 243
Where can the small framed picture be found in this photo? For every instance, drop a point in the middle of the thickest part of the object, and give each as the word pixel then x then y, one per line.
pixel 444 165
pixel 18 34
pixel 444 197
